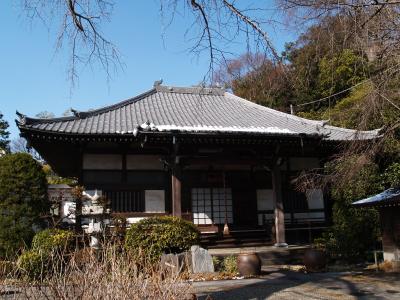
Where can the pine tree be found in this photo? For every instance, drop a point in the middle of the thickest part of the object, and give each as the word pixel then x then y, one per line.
pixel 4 135
pixel 23 201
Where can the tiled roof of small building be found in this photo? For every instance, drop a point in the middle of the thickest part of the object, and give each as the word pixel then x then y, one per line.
pixel 196 109
pixel 389 196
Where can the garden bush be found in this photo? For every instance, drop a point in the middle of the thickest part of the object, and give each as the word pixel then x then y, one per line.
pixel 34 264
pixel 48 251
pixel 23 201
pixel 106 274
pixel 151 237
pixel 230 264
pixel 53 239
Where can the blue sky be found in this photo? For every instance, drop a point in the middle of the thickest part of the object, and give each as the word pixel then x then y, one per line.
pixel 33 78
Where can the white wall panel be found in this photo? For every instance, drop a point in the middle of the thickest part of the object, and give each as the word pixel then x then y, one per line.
pixel 315 199
pixel 303 163
pixel 154 201
pixel 265 200
pixel 102 162
pixel 143 162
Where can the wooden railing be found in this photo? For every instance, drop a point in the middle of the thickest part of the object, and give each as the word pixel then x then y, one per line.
pixel 126 201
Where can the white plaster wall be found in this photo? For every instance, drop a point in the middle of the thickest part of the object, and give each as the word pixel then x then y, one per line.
pixel 390 252
pixel 102 161
pixel 388 256
pixel 315 199
pixel 265 199
pixel 133 220
pixel 143 162
pixel 303 163
pixel 154 201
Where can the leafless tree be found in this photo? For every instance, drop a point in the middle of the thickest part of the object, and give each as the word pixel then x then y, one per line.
pixel 45 115
pixel 216 24
pixel 373 28
pixel 237 68
pixel 67 113
pixel 79 23
pixel 20 145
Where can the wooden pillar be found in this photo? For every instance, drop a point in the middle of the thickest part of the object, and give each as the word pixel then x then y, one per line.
pixel 176 193
pixel 278 205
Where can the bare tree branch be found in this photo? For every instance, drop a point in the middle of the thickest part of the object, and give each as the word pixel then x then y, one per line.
pixel 79 22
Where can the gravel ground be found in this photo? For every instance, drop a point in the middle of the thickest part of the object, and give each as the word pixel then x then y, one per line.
pixel 281 285
pixel 295 285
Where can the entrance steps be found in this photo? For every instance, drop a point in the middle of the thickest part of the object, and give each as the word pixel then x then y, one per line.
pixel 236 238
pixel 269 255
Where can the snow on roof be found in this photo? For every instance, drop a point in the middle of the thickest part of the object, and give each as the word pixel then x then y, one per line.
pixel 391 195
pixel 194 110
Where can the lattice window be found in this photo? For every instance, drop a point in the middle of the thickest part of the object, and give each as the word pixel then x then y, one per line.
pixel 210 204
pixel 201 205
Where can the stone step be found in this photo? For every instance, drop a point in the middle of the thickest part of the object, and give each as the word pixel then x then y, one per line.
pixel 269 255
pixel 234 245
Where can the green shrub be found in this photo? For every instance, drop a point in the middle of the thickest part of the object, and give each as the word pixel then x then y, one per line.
pixel 52 239
pixel 48 251
pixel 151 237
pixel 355 231
pixel 230 264
pixel 23 201
pixel 217 262
pixel 33 264
pixel 227 264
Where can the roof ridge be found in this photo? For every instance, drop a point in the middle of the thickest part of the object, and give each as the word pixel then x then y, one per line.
pixel 276 112
pixel 321 123
pixel 377 130
pixel 28 120
pixel 201 90
pixel 121 103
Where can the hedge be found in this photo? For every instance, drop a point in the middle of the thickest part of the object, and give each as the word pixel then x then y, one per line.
pixel 151 237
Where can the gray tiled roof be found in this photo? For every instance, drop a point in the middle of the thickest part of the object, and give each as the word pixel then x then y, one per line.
pixel 189 110
pixel 386 197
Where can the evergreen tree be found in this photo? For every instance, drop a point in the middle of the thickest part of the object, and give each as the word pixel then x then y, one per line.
pixel 4 134
pixel 23 200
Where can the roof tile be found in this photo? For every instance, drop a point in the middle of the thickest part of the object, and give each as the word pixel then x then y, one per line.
pixel 193 109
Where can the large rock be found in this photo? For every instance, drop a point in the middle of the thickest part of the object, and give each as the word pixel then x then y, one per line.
pixel 175 263
pixel 201 260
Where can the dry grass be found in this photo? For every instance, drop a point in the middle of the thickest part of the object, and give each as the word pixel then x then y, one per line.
pixel 386 266
pixel 294 268
pixel 87 274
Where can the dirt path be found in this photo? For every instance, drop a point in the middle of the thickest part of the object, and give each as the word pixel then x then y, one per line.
pixel 294 285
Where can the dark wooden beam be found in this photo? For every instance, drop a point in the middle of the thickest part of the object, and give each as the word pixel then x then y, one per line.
pixel 176 192
pixel 278 204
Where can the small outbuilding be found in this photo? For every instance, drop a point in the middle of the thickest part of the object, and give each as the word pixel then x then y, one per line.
pixel 388 205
